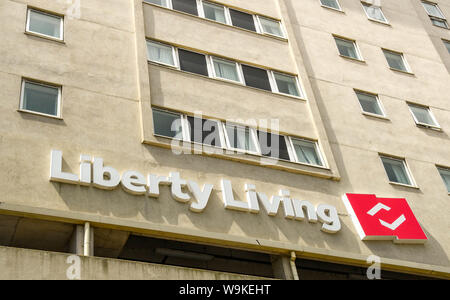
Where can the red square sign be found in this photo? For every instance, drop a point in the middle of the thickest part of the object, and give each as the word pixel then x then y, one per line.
pixel 384 219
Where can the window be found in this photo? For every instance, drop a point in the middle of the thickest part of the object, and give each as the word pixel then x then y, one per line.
pixel 235 137
pixel 422 115
pixel 167 124
pixel 193 62
pixel 286 84
pixel 435 14
pixel 347 48
pixel 374 12
pixel 164 3
pixel 40 98
pixel 331 4
pixel 160 53
pixel 370 103
pixel 214 12
pixel 306 152
pixel 396 61
pixel 204 131
pixel 445 174
pixel 241 138
pixel 269 26
pixel 187 6
pixel 242 20
pixel 257 78
pixel 273 145
pixel 225 69
pixel 447 45
pixel 396 170
pixel 45 24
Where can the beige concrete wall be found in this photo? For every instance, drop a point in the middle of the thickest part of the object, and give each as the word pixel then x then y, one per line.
pixel 24 264
pixel 107 93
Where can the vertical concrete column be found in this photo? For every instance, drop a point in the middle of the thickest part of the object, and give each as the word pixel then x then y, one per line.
pixel 282 267
pixel 77 241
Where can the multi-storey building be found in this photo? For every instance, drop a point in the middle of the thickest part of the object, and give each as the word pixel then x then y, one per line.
pixel 224 139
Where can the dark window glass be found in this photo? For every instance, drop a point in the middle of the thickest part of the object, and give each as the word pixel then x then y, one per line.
pixel 167 124
pixel 242 20
pixel 204 131
pixel 192 62
pixel 256 78
pixel 40 98
pixel 187 6
pixel 273 145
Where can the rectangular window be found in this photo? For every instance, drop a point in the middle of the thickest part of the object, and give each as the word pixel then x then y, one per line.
pixel 241 138
pixel 226 69
pixel 40 98
pixel 374 12
pixel 331 4
pixel 287 84
pixel 257 78
pixel 306 152
pixel 45 24
pixel 273 145
pixel 396 170
pixel 370 103
pixel 214 12
pixel 242 20
pixel 204 131
pixel 347 48
pixel 422 115
pixel 193 62
pixel 164 3
pixel 435 14
pixel 269 26
pixel 167 124
pixel 396 61
pixel 160 53
pixel 445 174
pixel 187 6
pixel 447 45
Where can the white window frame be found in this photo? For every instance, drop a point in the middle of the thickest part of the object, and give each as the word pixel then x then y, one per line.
pixel 317 148
pixel 212 70
pixel 405 166
pixel 59 101
pixel 253 136
pixel 260 28
pixel 274 85
pixel 446 42
pixel 444 19
pixel 201 11
pixel 187 133
pixel 173 113
pixel 329 7
pixel 169 4
pixel 402 55
pixel 358 51
pixel 61 24
pixel 372 19
pixel 447 169
pixel 430 113
pixel 377 98
pixel 174 55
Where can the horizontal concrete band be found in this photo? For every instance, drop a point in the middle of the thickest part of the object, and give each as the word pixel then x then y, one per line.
pixel 219 239
pixel 26 264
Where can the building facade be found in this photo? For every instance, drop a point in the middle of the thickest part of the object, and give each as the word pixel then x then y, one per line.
pixel 228 139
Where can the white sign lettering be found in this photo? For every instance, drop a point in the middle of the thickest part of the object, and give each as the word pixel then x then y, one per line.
pixel 93 172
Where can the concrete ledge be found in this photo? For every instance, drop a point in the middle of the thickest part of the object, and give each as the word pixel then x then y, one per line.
pixel 26 264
